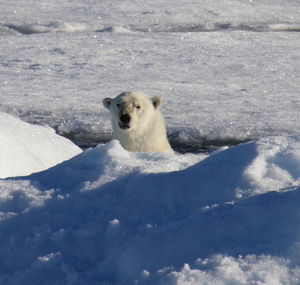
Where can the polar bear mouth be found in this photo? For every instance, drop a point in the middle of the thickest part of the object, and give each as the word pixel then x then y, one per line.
pixel 124 126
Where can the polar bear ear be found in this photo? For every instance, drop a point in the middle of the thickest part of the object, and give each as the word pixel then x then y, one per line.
pixel 156 101
pixel 107 102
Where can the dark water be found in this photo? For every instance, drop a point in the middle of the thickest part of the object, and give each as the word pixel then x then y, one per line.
pixel 85 140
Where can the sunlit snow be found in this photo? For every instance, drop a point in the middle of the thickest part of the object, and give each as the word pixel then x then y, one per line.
pixel 237 82
pixel 26 148
pixel 227 71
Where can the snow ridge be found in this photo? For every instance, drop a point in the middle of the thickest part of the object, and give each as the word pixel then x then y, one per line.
pixel 54 27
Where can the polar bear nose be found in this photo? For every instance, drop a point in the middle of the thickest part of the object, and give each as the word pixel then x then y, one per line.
pixel 125 118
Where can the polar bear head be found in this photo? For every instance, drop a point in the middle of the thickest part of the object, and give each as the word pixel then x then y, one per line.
pixel 132 111
pixel 138 123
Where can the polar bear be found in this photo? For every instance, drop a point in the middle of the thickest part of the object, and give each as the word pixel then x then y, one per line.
pixel 137 122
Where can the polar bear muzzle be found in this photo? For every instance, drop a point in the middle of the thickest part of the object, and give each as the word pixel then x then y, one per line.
pixel 124 121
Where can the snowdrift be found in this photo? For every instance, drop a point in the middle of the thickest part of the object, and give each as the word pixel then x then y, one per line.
pixel 26 148
pixel 108 216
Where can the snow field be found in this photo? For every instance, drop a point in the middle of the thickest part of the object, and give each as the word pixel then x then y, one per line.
pixel 149 15
pixel 109 216
pixel 215 86
pixel 59 60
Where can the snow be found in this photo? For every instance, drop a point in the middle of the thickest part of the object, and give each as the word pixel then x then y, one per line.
pixel 115 217
pixel 228 72
pixel 26 148
pixel 228 270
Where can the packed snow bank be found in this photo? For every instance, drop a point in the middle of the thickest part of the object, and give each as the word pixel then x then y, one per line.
pixel 26 148
pixel 113 217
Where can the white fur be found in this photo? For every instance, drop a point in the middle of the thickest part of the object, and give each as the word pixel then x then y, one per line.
pixel 146 131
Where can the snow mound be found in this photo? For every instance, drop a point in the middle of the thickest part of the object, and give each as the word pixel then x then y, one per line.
pixel 224 270
pixel 58 27
pixel 117 30
pixel 288 27
pixel 108 216
pixel 26 148
pixel 52 27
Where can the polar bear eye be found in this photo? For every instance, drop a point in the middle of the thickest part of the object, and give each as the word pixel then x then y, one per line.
pixel 118 105
pixel 138 107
